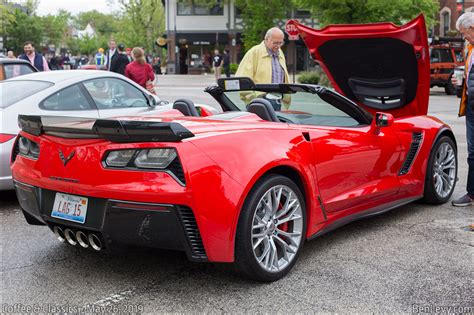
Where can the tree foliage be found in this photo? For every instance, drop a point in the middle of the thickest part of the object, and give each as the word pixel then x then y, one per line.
pixel 143 21
pixel 22 28
pixel 259 16
pixel 370 11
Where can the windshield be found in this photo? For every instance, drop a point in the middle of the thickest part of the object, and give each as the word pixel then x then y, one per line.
pixel 301 107
pixel 14 91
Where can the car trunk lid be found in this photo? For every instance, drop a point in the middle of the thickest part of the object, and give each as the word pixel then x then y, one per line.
pixel 382 67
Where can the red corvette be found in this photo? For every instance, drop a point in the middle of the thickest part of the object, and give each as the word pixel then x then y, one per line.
pixel 283 164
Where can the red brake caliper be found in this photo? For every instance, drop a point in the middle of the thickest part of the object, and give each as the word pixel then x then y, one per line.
pixel 283 227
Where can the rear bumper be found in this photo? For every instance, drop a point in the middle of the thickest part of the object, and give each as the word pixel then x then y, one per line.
pixel 120 223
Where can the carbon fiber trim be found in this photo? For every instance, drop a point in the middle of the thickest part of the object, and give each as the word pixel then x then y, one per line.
pixel 192 233
pixel 417 137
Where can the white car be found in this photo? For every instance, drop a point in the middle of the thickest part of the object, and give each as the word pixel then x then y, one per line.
pixel 78 93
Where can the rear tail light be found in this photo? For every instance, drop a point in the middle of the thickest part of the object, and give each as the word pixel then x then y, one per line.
pixel 4 137
pixel 26 147
pixel 158 159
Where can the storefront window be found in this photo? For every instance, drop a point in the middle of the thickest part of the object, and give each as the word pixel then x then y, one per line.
pixel 196 7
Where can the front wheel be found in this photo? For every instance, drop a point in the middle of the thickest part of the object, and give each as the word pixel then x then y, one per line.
pixel 442 172
pixel 271 229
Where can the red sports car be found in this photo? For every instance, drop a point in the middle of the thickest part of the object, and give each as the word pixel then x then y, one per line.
pixel 283 164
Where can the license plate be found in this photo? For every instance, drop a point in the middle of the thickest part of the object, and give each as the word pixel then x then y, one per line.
pixel 70 208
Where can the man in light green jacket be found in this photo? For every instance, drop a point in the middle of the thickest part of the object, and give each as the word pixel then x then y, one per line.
pixel 265 62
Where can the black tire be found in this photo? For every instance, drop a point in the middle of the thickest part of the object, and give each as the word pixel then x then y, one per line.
pixel 430 194
pixel 246 263
pixel 449 88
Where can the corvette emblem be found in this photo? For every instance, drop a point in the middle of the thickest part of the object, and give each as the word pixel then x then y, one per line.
pixel 66 159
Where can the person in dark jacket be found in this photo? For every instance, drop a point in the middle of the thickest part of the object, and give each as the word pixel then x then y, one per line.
pixel 226 63
pixel 112 55
pixel 122 60
pixel 36 59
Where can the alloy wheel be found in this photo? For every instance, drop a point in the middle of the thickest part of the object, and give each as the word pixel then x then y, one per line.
pixel 277 228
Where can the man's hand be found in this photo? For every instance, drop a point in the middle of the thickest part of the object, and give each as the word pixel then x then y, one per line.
pixel 454 81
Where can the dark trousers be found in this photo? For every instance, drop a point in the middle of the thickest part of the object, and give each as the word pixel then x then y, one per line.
pixel 470 146
pixel 227 71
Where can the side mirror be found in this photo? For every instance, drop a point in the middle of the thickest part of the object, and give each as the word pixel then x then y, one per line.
pixel 152 100
pixel 381 120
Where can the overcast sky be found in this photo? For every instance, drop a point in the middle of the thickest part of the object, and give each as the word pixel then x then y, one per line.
pixel 74 6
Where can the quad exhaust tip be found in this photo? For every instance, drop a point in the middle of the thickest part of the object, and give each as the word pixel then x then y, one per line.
pixel 59 234
pixel 70 237
pixel 79 237
pixel 82 239
pixel 95 242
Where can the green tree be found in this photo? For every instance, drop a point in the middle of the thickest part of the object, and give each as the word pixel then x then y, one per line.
pixel 259 16
pixel 54 28
pixel 369 11
pixel 143 21
pixel 24 27
pixel 105 24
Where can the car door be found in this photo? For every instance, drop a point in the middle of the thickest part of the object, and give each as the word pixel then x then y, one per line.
pixel 354 165
pixel 381 67
pixel 116 97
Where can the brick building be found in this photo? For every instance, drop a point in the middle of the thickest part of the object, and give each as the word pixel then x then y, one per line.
pixel 449 11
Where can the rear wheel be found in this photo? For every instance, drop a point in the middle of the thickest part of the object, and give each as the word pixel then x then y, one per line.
pixel 271 229
pixel 441 172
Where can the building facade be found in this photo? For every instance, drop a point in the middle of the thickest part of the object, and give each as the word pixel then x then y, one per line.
pixel 449 11
pixel 195 30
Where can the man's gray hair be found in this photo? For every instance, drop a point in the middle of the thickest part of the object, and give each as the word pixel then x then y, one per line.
pixel 271 31
pixel 466 20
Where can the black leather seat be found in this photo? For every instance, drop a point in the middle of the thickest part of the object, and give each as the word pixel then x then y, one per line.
pixel 186 107
pixel 263 109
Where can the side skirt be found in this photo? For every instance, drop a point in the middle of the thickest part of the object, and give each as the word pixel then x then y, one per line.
pixel 363 214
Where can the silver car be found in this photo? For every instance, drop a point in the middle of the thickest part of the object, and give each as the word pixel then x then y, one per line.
pixel 79 93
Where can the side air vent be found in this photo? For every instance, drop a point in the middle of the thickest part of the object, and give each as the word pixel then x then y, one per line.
pixel 15 151
pixel 192 233
pixel 414 147
pixel 177 170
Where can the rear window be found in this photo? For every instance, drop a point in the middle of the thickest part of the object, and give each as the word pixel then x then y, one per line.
pixel 441 55
pixel 14 91
pixel 14 70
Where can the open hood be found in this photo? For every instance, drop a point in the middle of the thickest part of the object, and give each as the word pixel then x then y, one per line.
pixel 382 67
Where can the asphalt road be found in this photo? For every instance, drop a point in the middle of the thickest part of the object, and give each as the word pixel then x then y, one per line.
pixel 414 258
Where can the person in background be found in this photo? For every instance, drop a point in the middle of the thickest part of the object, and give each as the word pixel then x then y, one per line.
pixel 226 63
pixel 139 71
pixel 128 51
pixel 217 63
pixel 112 55
pixel 36 59
pixel 100 59
pixel 122 60
pixel 11 55
pixel 465 24
pixel 157 65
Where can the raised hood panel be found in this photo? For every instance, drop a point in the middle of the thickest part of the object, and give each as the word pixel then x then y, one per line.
pixel 382 67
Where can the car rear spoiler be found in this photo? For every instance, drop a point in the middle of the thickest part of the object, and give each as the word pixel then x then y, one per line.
pixel 122 131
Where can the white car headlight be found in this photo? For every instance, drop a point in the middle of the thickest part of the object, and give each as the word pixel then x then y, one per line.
pixel 155 158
